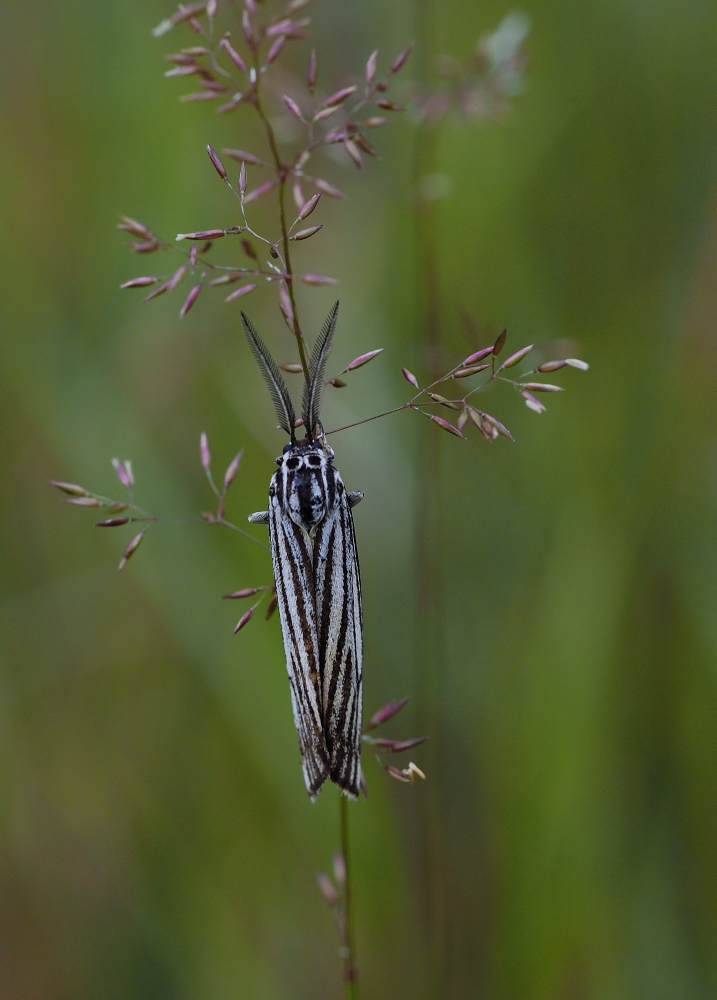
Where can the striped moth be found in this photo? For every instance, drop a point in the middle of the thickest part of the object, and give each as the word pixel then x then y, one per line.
pixel 316 571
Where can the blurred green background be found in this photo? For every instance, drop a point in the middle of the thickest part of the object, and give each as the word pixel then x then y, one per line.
pixel 155 837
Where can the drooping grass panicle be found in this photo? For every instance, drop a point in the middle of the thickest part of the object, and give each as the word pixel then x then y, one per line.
pixel 324 551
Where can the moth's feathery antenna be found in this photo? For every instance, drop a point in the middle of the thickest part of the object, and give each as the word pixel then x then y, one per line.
pixel 314 387
pixel 272 376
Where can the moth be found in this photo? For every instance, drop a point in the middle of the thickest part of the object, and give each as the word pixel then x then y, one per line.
pixel 316 572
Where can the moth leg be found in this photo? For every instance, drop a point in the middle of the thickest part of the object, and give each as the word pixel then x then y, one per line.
pixel 353 498
pixel 261 517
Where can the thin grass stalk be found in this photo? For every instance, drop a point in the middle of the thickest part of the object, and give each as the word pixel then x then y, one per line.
pixel 348 949
pixel 281 174
pixel 430 596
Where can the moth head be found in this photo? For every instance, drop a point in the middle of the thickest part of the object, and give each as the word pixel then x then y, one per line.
pixel 306 454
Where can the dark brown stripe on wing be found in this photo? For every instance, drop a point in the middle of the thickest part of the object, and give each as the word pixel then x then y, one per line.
pixel 324 593
pixel 293 573
pixel 343 675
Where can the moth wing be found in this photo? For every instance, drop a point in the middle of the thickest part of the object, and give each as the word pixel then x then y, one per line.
pixel 339 623
pixel 291 554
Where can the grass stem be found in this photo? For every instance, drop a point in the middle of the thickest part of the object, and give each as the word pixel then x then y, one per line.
pixel 349 944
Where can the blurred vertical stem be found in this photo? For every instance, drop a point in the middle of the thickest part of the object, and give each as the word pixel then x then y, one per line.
pixel 281 173
pixel 430 597
pixel 348 948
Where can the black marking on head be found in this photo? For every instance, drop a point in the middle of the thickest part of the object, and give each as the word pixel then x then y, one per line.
pixel 305 484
